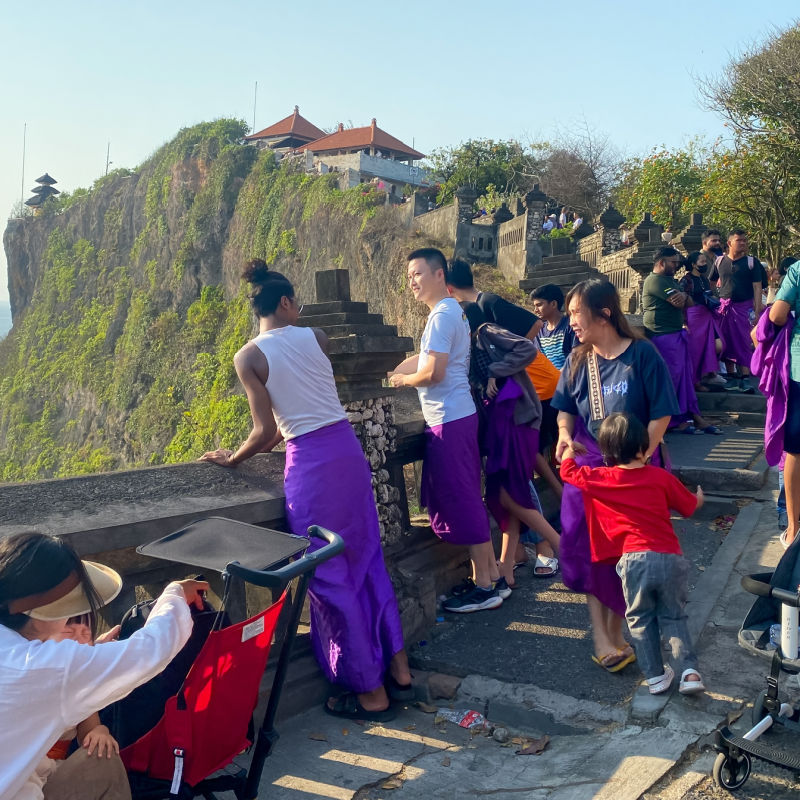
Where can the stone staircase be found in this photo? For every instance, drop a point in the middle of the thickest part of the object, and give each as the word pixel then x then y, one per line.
pixel 563 268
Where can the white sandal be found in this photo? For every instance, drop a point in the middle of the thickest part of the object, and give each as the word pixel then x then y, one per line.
pixel 662 683
pixel 691 687
pixel 545 562
pixel 785 543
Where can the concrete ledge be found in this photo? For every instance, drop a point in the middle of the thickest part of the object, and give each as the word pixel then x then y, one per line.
pixel 722 480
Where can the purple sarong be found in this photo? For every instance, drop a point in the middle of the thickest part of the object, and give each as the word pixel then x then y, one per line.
pixel 674 349
pixel 511 452
pixel 451 482
pixel 355 625
pixel 703 327
pixel 578 571
pixel 734 324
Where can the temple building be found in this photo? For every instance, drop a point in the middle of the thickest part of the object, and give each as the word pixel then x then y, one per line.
pixel 290 133
pixel 42 191
pixel 367 154
pixel 361 155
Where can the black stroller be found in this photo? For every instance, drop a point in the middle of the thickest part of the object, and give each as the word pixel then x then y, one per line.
pixel 207 719
pixel 770 630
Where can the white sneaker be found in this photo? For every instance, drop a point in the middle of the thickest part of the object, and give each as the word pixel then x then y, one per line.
pixel 714 380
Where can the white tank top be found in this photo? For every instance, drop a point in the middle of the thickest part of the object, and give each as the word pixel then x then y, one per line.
pixel 300 381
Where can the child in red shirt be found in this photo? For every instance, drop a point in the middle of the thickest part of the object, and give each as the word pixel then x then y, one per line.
pixel 628 513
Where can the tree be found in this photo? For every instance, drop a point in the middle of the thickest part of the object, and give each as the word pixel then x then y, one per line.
pixel 667 183
pixel 755 187
pixel 759 92
pixel 510 167
pixel 580 170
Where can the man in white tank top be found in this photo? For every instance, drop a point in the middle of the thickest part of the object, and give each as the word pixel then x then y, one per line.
pixel 451 472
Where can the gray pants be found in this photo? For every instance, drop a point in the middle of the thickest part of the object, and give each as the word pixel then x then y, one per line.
pixel 656 587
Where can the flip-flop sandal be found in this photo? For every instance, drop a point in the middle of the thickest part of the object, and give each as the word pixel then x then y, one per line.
pixel 348 707
pixel 402 693
pixel 627 651
pixel 785 543
pixel 713 430
pixel 689 430
pixel 614 662
pixel 550 563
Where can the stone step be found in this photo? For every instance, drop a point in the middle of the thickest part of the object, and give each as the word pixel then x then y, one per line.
pixel 342 318
pixel 724 465
pixel 335 307
pixel 722 402
pixel 560 259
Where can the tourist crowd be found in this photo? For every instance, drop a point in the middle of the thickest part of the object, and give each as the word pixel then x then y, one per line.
pixel 571 392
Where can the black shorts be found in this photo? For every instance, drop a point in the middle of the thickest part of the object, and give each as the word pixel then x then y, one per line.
pixel 548 431
pixel 791 431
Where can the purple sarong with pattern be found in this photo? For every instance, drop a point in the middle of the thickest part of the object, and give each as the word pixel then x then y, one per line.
pixel 674 349
pixel 577 569
pixel 734 324
pixel 704 329
pixel 451 482
pixel 511 452
pixel 355 624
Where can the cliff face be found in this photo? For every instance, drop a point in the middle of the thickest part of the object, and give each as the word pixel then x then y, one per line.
pixel 128 305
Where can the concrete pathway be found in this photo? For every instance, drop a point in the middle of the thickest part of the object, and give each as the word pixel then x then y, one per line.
pixel 600 747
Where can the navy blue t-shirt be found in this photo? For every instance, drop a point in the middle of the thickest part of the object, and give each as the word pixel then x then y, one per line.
pixel 636 381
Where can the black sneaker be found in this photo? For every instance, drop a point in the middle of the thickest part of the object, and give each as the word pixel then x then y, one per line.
pixel 476 600
pixel 502 587
pixel 465 587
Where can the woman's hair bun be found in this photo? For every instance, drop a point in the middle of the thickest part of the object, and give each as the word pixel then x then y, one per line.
pixel 256 271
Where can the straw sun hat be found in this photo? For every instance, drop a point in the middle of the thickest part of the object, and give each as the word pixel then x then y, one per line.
pixel 107 583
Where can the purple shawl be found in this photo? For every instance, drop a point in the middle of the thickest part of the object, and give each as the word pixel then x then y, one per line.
pixel 771 363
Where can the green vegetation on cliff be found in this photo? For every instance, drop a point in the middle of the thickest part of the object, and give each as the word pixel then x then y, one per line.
pixel 123 354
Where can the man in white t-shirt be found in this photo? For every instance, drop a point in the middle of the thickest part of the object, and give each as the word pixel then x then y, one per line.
pixel 451 475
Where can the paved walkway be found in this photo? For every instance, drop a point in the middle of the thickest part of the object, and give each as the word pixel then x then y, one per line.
pixel 606 739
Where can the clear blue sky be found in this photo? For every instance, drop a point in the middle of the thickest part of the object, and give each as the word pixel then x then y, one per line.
pixel 83 74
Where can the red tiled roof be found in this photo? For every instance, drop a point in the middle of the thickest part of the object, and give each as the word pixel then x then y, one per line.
pixel 368 136
pixel 294 125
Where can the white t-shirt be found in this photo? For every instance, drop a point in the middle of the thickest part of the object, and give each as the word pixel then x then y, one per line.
pixel 47 687
pixel 447 331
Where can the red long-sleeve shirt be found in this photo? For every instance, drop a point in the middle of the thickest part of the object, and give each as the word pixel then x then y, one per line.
pixel 628 510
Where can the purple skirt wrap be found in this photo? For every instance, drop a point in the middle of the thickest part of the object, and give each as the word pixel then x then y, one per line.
pixel 355 625
pixel 511 453
pixel 451 482
pixel 577 569
pixel 734 324
pixel 703 327
pixel 674 348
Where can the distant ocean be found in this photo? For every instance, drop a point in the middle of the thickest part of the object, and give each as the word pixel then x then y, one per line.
pixel 5 318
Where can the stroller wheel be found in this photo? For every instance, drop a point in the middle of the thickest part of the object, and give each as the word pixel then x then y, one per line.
pixel 730 773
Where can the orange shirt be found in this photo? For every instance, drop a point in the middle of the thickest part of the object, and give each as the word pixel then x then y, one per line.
pixel 543 375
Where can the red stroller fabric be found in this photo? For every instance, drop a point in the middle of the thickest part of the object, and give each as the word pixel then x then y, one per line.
pixel 208 719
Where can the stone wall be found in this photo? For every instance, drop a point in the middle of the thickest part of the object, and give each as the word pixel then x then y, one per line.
pixel 590 249
pixel 627 281
pixel 373 423
pixel 511 249
pixel 440 224
pixel 482 242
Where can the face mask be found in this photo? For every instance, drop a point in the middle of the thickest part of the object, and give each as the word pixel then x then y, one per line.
pixel 701 268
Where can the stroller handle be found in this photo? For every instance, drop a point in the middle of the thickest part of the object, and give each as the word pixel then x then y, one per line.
pixel 282 576
pixel 763 589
